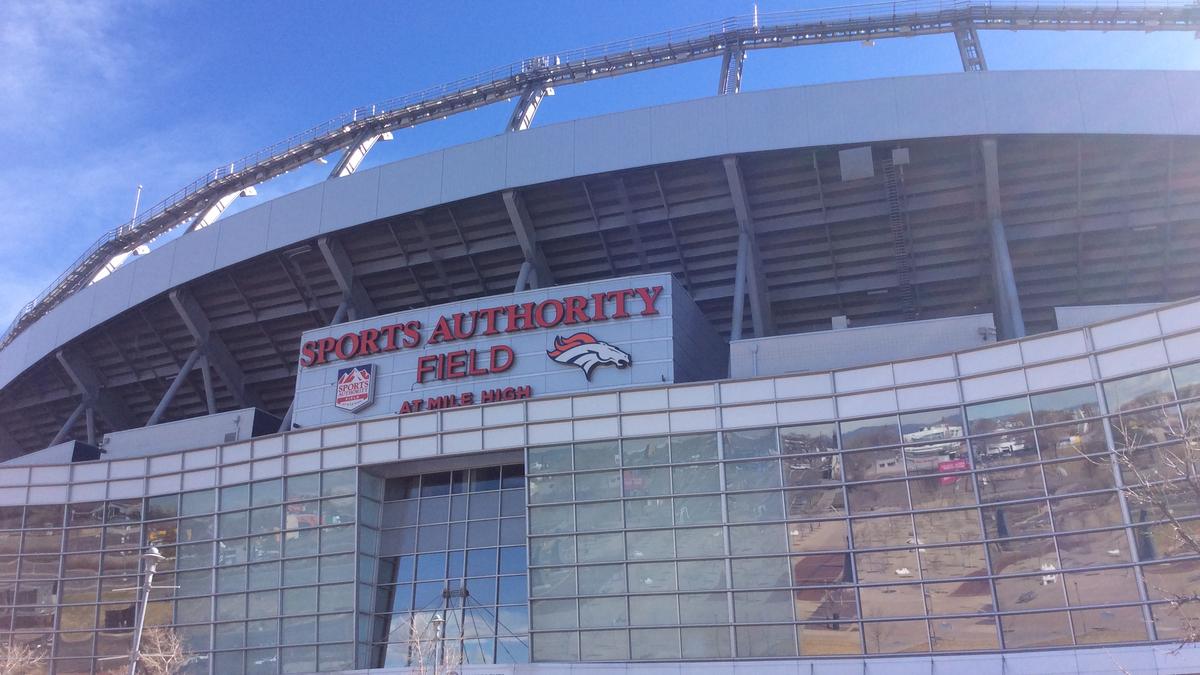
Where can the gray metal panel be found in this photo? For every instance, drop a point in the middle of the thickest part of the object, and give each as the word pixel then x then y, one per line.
pixel 410 184
pixel 200 258
pixel 1083 315
pixel 851 347
pixel 698 132
pixel 540 154
pixel 474 168
pixel 226 427
pixel 243 235
pixel 296 217
pixel 615 141
pixel 350 200
pixel 152 273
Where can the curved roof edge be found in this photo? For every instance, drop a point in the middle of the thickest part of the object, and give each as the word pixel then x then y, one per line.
pixel 1137 102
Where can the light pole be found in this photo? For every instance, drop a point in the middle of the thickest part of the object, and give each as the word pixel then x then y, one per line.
pixel 439 624
pixel 151 558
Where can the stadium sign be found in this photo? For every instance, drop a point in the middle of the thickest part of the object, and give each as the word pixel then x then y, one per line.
pixel 580 337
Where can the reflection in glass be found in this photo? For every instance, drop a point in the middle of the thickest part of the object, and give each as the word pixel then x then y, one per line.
pixel 871 432
pixel 997 416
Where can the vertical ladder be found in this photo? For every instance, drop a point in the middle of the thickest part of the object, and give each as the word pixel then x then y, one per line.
pixel 899 230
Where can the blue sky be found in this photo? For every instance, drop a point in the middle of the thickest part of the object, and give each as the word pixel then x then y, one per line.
pixel 97 96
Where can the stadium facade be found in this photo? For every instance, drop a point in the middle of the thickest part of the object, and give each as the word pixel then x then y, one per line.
pixel 359 447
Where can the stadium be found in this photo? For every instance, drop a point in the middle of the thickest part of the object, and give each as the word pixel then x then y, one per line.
pixel 855 377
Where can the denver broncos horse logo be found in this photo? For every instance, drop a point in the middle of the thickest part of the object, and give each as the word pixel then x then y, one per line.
pixel 585 351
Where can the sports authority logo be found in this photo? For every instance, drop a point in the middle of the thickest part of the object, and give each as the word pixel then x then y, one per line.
pixel 585 351
pixel 355 387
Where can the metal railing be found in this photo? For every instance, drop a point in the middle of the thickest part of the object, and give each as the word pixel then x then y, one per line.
pixel 773 30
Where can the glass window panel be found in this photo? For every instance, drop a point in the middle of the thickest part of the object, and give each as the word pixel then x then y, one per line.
pixel 194 610
pixel 234 524
pixel 197 529
pixel 485 478
pixel 808 439
pixel 231 606
pixel 701 575
pixel 1065 405
pixel 688 511
pixel 755 606
pixel 1004 449
pixel 302 543
pixel 231 579
pixel 1100 587
pixel 881 532
pixel 188 556
pixel 825 604
pixel 303 487
pixel 512 531
pixel 481 562
pixel 938 457
pixel 656 576
pixel 598 516
pixel 43 516
pixel 603 612
pixel 1002 485
pixel 123 511
pixel 485 505
pixel 700 541
pixel 229 635
pixel 235 497
pixel 1086 511
pixel 709 641
pixel 894 637
pixel 340 482
pixel 559 646
pixel 817 535
pixel 1139 391
pixel 752 539
pixel 752 475
pixel 943 562
pixel 552 581
pixel 10 517
pixel 266 520
pixel 263 633
pixel 90 513
pixel 513 590
pixel 829 639
pixel 693 448
pixel 599 485
pixel 552 550
pixel 601 579
pixel 878 497
pixel 694 478
pixel 545 489
pixel 963 634
pixel 551 519
pixel 119 536
pixel 888 601
pixel 822 569
pixel 1042 591
pixel 338 539
pixel 653 610
pixel 605 645
pixel 885 566
pixel 761 572
pixel 1174 622
pixel 1012 413
pixel 1023 555
pixel 549 459
pixel 1146 427
pixel 654 643
pixel 959 597
pixel 335 627
pixel 815 503
pixel 338 511
pixel 1022 631
pixel 647 482
pixel 811 470
pixel 941 491
pixel 1113 624
pixel 645 451
pixel 197 503
pixel 754 506
pixel 39 566
pixel 1187 380
pixel 46 541
pixel 600 547
pixel 551 614
pixel 948 526
pixel 1078 475
pixel 603 455
pixel 163 506
pixel 931 426
pixel 871 432
pixel 874 464
pixel 1014 520
pixel 749 443
pixel 262 575
pixel 436 484
pixel 649 545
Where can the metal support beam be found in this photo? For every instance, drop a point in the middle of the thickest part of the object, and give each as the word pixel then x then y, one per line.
pixel 749 270
pixel 169 396
pixel 434 256
pixel 91 425
pixel 635 233
pixel 527 106
pixel 69 424
pixel 354 294
pixel 1007 301
pixel 527 237
pixel 209 215
pixel 731 71
pixel 218 355
pixel 95 395
pixel 969 49
pixel 286 423
pixel 356 152
pixel 210 394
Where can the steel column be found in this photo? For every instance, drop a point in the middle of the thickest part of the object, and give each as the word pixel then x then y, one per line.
pixel 69 424
pixel 731 71
pixel 739 287
pixel 95 395
pixel 210 395
pixel 527 236
pixel 970 52
pixel 751 271
pixel 527 106
pixel 1007 299
pixel 169 396
pixel 354 294
pixel 214 348
pixel 356 152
